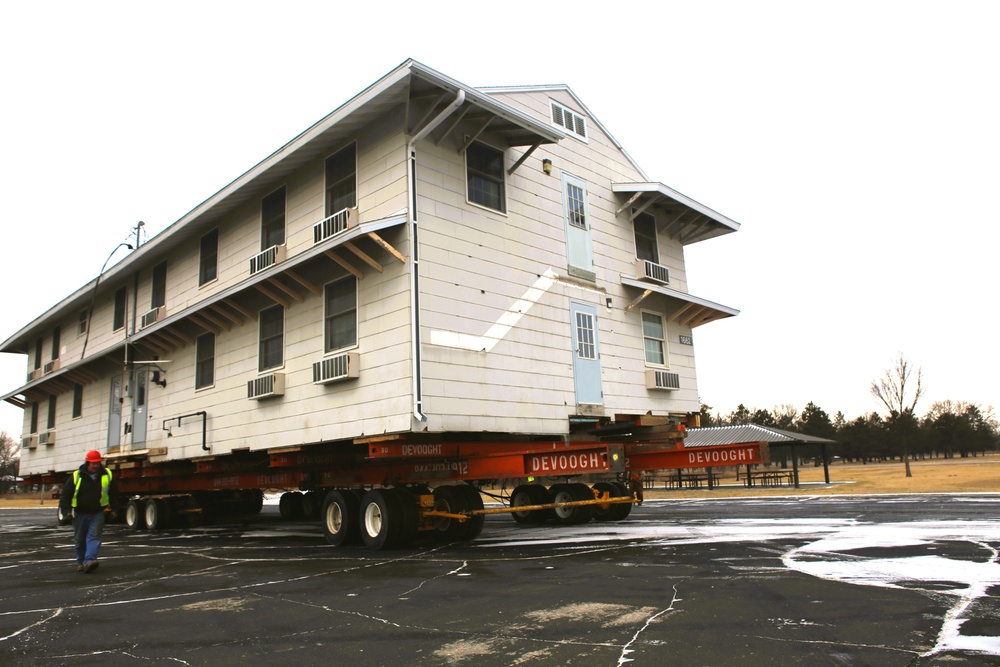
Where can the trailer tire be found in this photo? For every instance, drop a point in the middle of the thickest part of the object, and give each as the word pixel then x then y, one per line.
pixel 615 512
pixel 312 504
pixel 381 518
pixel 456 499
pixel 253 501
pixel 157 514
pixel 135 512
pixel 571 516
pixel 339 517
pixel 530 494
pixel 290 505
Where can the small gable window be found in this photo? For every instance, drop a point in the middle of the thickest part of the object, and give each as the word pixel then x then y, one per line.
pixel 571 121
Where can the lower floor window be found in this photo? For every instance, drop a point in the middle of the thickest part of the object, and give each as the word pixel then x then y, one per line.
pixel 653 337
pixel 272 338
pixel 204 374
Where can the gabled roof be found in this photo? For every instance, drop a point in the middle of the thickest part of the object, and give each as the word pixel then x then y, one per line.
pixel 421 89
pixel 732 435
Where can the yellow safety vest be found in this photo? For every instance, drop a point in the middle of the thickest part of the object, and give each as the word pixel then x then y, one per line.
pixel 105 487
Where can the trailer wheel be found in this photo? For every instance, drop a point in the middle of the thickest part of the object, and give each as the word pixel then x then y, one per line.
pixel 312 504
pixel 157 514
pixel 135 512
pixel 381 518
pixel 530 494
pixel 474 501
pixel 615 512
pixel 457 499
pixel 565 493
pixel 253 501
pixel 290 504
pixel 339 517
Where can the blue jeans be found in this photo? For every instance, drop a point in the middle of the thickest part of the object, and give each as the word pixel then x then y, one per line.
pixel 89 528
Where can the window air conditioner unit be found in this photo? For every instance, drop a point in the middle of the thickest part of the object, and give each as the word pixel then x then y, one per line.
pixel 153 316
pixel 35 374
pixel 266 386
pixel 662 380
pixel 651 271
pixel 29 441
pixel 269 257
pixel 47 437
pixel 334 369
pixel 50 366
pixel 337 223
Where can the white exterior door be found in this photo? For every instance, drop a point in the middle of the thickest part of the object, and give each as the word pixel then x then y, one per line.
pixel 576 211
pixel 140 395
pixel 586 354
pixel 115 413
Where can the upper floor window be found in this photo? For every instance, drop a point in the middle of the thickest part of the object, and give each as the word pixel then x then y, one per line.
pixel 272 338
pixel 653 339
pixel 341 180
pixel 77 400
pixel 484 167
pixel 208 266
pixel 81 325
pixel 272 219
pixel 159 293
pixel 644 227
pixel 571 121
pixel 38 353
pixel 576 203
pixel 121 299
pixel 341 328
pixel 56 341
pixel 33 424
pixel 204 371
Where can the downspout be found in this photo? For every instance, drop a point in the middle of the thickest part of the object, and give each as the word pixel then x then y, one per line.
pixel 411 215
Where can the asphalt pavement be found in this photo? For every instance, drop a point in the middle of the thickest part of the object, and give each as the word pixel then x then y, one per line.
pixel 834 580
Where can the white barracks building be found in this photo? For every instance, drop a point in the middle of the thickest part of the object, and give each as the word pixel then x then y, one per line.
pixel 429 258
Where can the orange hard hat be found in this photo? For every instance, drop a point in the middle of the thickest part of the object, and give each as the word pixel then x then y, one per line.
pixel 94 456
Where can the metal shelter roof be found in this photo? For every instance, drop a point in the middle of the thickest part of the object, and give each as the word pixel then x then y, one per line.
pixel 731 435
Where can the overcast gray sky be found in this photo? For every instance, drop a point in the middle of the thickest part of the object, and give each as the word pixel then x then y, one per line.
pixel 853 141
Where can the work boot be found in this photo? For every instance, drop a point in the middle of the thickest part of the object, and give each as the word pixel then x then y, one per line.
pixel 79 567
pixel 90 567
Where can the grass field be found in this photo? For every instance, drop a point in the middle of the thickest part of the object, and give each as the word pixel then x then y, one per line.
pixel 980 474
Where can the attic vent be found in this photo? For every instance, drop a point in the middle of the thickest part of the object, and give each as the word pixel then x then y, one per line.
pixel 573 122
pixel 51 366
pixel 269 257
pixel 266 386
pixel 337 368
pixel 47 438
pixel 662 380
pixel 29 441
pixel 647 270
pixel 337 223
pixel 153 316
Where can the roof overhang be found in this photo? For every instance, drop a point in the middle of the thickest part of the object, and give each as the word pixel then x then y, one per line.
pixel 421 91
pixel 689 310
pixel 682 218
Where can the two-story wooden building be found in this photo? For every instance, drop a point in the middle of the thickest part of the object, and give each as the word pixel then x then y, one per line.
pixel 429 259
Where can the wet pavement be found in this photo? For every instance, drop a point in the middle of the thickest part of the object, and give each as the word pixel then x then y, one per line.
pixel 905 580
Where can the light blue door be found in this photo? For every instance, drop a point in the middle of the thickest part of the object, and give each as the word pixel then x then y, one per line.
pixel 140 395
pixel 586 354
pixel 115 413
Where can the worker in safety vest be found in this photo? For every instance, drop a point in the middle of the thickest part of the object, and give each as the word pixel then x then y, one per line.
pixel 88 494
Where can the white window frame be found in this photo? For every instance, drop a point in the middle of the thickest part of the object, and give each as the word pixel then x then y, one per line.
pixel 662 341
pixel 327 351
pixel 570 180
pixel 260 318
pixel 326 178
pixel 558 113
pixel 197 360
pixel 503 177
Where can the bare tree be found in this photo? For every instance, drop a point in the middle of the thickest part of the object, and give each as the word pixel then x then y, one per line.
pixel 899 389
pixel 10 450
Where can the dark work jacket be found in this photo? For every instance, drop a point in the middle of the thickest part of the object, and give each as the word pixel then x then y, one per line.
pixel 89 499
